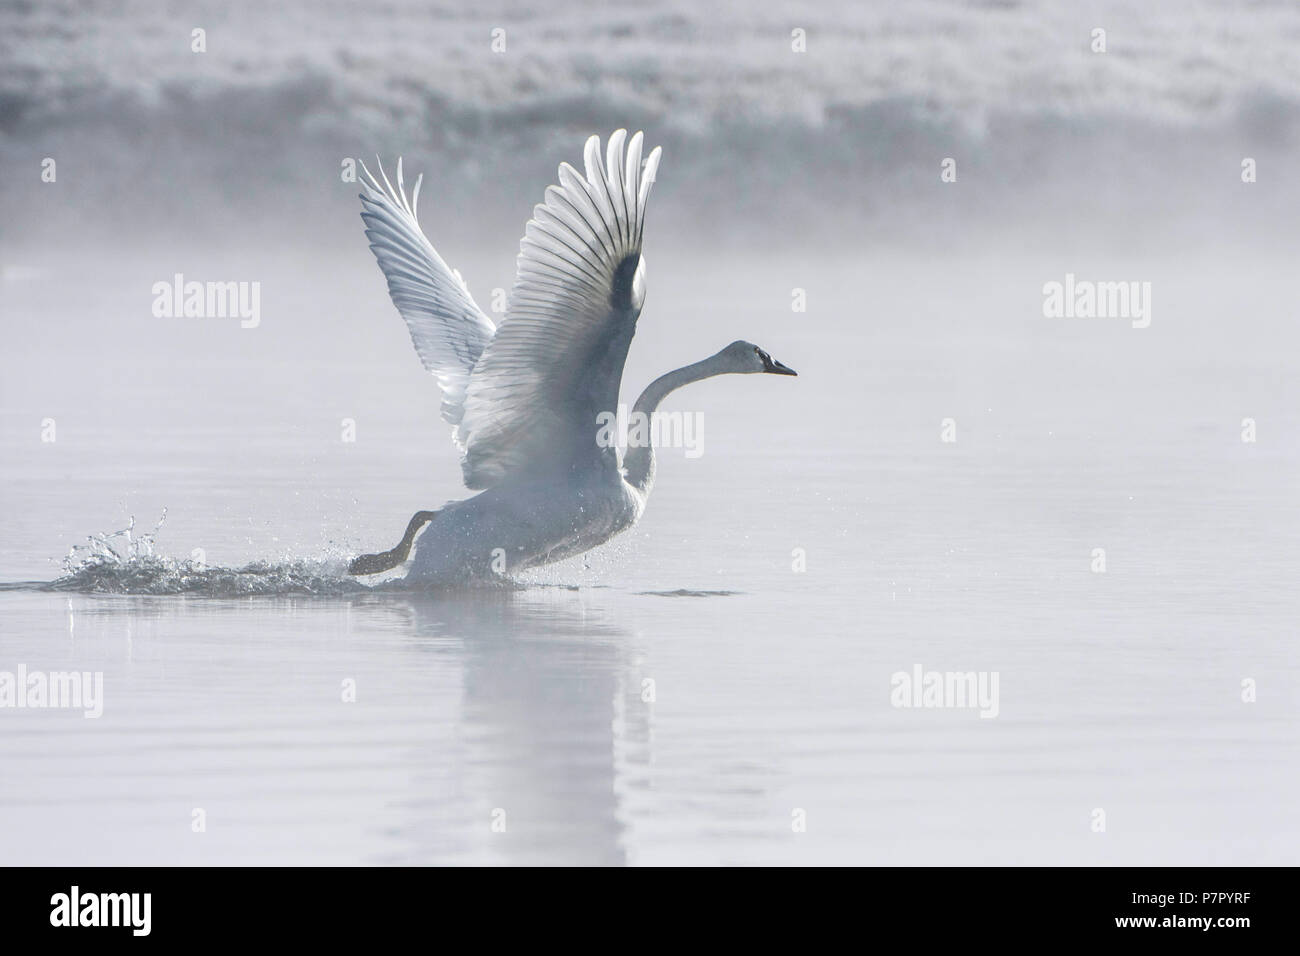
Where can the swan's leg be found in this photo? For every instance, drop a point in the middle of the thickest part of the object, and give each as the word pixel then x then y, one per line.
pixel 387 560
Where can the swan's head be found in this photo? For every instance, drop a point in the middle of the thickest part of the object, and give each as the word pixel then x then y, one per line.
pixel 747 358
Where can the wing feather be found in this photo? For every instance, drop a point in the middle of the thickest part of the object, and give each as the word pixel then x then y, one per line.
pixel 557 359
pixel 448 329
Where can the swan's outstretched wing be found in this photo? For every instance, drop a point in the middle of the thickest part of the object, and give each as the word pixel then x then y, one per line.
pixel 448 329
pixel 557 359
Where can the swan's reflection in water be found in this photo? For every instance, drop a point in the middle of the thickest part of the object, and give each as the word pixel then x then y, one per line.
pixel 552 727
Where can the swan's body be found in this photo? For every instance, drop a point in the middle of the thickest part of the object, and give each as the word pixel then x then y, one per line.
pixel 525 398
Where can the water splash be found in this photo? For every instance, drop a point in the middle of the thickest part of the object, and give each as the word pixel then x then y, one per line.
pixel 117 548
pixel 161 575
pixel 126 562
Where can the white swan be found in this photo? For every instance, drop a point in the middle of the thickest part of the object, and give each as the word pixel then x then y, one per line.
pixel 524 399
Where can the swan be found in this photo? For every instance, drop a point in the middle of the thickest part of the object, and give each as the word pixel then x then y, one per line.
pixel 524 398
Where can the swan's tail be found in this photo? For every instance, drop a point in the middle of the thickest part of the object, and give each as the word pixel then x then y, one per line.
pixel 387 560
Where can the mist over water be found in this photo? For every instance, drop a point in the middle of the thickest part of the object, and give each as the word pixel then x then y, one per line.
pixel 838 144
pixel 784 173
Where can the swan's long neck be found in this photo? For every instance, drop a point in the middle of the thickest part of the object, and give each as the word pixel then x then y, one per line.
pixel 639 460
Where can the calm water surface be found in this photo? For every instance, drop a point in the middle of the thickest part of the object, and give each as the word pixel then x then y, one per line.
pixel 681 695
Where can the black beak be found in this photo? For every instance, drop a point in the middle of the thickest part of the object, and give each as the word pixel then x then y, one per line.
pixel 776 368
